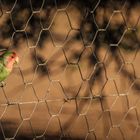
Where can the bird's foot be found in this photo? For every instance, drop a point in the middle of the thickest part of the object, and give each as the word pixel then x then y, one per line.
pixel 2 84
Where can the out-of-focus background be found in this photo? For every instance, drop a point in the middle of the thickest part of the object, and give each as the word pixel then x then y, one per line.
pixel 79 71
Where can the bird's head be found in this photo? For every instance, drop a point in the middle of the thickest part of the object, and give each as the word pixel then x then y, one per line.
pixel 10 58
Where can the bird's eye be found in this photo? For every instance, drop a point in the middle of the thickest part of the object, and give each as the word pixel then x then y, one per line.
pixel 12 56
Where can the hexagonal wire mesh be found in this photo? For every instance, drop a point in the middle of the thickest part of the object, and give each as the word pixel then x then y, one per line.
pixel 78 76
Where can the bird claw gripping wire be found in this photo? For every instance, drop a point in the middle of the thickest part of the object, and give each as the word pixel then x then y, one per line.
pixel 2 84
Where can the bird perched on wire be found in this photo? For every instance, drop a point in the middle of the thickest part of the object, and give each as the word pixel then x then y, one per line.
pixel 7 61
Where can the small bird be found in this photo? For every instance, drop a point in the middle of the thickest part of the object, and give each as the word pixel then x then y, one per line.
pixel 7 61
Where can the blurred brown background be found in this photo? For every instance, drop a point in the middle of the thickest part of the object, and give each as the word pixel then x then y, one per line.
pixel 79 74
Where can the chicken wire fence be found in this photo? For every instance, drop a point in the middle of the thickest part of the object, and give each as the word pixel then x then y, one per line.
pixel 78 75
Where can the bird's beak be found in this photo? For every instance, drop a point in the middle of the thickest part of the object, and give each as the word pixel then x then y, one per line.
pixel 17 60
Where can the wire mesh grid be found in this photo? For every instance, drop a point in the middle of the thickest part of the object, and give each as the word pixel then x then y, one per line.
pixel 78 76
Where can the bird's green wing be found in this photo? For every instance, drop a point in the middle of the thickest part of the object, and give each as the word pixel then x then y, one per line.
pixel 1 66
pixel 3 72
